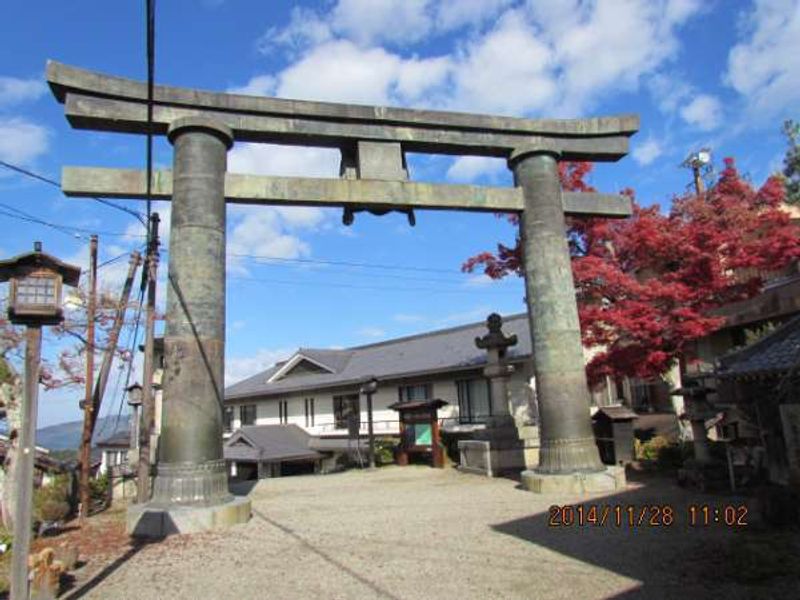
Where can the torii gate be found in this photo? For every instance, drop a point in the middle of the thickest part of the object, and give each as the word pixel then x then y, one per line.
pixel 202 127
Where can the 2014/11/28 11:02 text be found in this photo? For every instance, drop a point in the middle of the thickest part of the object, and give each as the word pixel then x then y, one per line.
pixel 646 515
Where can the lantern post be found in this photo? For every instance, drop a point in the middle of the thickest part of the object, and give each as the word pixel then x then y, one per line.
pixel 36 281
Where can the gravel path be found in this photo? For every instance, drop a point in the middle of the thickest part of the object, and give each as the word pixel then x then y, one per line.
pixel 416 532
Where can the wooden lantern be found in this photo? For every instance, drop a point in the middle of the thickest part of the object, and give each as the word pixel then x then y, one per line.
pixel 36 286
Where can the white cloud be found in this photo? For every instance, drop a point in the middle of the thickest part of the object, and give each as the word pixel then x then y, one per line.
pixel 669 92
pixel 765 67
pixel 306 28
pixel 648 151
pixel 549 57
pixel 470 168
pixel 453 14
pixel 275 230
pixel 395 21
pixel 373 332
pixel 492 76
pixel 241 367
pixel 261 85
pixel 604 46
pixel 14 90
pixel 704 112
pixel 22 142
pixel 340 71
pixel 286 161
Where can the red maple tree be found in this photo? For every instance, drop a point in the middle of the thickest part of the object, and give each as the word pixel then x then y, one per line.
pixel 647 286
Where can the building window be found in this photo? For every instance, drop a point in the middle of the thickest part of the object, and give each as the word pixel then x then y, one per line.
pixel 309 412
pixel 345 408
pixel 474 402
pixel 283 411
pixel 227 419
pixel 410 393
pixel 247 413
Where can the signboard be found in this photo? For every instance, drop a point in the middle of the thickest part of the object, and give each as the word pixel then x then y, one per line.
pixel 422 434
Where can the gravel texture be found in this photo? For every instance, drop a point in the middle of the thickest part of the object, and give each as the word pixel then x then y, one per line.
pixel 415 532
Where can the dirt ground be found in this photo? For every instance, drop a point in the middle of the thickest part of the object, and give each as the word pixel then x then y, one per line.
pixel 416 532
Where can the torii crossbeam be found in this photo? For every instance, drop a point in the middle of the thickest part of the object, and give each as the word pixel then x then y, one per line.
pixel 373 141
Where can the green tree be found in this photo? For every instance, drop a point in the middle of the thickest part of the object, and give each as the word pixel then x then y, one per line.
pixel 791 162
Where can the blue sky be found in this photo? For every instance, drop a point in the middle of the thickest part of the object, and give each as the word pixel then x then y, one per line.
pixel 717 74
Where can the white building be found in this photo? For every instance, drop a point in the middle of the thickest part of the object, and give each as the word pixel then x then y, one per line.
pixel 316 389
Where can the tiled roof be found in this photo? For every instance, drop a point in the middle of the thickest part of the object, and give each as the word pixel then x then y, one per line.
pixel 269 443
pixel 121 439
pixel 772 355
pixel 431 352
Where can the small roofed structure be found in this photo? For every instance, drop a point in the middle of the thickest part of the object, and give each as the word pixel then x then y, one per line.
pixel 259 451
pixel 613 430
pixel 763 382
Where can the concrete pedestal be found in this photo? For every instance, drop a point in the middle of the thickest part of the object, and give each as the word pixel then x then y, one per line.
pixel 153 522
pixel 611 479
pixel 494 450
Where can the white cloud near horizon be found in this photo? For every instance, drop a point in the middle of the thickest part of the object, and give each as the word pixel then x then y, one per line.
pixel 238 368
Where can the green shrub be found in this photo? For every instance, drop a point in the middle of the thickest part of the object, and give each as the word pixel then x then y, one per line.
pixel 662 453
pixel 99 488
pixel 51 502
pixel 384 452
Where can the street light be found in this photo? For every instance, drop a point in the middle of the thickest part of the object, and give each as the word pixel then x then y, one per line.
pixel 34 300
pixel 697 161
pixel 370 387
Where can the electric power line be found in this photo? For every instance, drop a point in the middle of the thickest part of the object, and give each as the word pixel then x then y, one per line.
pixel 53 182
pixel 344 263
pixel 336 284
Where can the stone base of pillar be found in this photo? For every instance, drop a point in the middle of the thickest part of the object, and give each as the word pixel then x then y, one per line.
pixel 495 450
pixel 611 479
pixel 155 522
pixel 530 439
pixel 184 484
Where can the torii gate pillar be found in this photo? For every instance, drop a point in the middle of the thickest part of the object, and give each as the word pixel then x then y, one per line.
pixel 190 492
pixel 568 457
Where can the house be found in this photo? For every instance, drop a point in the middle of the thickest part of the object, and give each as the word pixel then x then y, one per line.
pixel 258 451
pixel 45 467
pixel 114 450
pixel 316 389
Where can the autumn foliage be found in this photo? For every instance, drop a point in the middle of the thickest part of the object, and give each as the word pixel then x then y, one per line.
pixel 647 286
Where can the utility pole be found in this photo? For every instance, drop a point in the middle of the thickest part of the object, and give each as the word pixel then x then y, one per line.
pixel 148 401
pixel 88 418
pixel 113 338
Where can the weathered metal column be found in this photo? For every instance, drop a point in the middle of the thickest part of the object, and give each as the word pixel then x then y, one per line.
pixel 567 442
pixel 191 468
